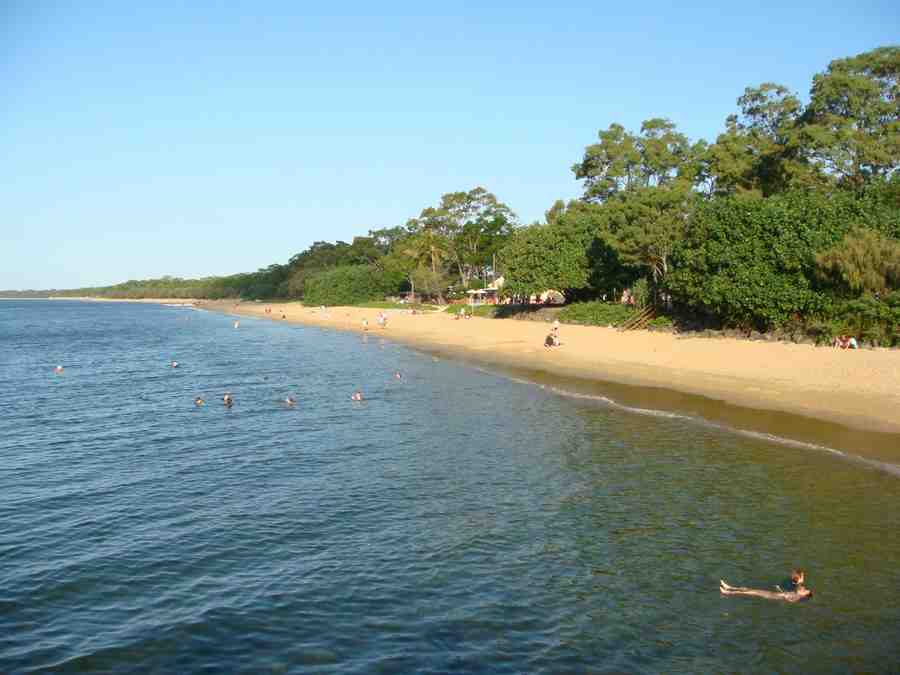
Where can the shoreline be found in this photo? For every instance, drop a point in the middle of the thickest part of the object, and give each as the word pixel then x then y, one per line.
pixel 858 389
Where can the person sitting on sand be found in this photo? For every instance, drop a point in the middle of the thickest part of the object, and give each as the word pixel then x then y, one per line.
pixel 365 324
pixel 800 592
pixel 552 339
pixel 845 342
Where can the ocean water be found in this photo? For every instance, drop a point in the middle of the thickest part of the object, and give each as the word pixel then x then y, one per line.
pixel 455 521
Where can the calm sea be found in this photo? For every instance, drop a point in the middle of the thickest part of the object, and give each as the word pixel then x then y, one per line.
pixel 454 521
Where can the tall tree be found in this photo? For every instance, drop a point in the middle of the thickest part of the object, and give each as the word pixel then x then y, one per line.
pixel 759 152
pixel 622 161
pixel 852 124
pixel 471 224
pixel 610 166
pixel 647 224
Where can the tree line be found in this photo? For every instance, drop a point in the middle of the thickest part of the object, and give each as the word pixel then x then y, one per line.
pixel 790 217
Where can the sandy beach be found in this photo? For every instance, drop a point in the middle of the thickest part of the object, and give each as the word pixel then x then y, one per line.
pixel 859 389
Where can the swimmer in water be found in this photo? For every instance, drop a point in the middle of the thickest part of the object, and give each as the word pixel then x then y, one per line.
pixel 398 376
pixel 58 370
pixel 237 324
pixel 290 401
pixel 227 400
pixel 356 396
pixel 199 401
pixel 801 592
pixel 174 364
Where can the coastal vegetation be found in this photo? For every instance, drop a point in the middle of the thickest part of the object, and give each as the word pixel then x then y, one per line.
pixel 788 220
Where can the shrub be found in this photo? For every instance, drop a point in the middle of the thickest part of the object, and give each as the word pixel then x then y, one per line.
pixel 485 311
pixel 596 313
pixel 640 291
pixel 864 262
pixel 349 285
pixel 660 323
pixel 752 261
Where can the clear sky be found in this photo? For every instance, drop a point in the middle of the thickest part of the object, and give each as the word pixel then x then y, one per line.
pixel 199 138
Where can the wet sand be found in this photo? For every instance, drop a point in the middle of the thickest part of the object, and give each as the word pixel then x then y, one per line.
pixel 858 389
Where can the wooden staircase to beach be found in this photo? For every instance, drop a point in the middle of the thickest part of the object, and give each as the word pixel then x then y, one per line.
pixel 640 320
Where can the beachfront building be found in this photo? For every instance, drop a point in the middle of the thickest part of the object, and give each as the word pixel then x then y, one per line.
pixel 489 295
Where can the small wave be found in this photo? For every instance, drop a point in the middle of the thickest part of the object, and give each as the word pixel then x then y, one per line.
pixel 887 467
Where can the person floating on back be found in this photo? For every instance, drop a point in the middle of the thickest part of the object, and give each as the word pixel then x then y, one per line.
pixel 796 590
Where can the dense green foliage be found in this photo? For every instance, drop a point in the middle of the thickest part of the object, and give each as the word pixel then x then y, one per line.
pixel 348 285
pixel 791 218
pixel 596 313
pixel 865 261
pixel 530 268
pixel 753 261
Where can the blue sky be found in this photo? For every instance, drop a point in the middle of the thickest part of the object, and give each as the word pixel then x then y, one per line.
pixel 218 137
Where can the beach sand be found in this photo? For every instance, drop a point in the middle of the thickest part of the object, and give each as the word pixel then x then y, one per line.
pixel 859 389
